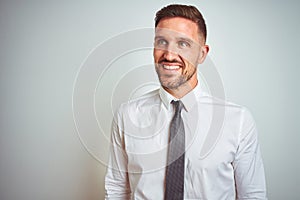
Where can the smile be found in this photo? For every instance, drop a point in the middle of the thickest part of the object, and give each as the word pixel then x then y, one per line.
pixel 171 67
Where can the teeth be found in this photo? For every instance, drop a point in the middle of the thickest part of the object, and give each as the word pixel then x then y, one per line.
pixel 170 67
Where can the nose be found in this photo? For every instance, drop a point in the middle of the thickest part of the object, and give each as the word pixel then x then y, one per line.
pixel 170 54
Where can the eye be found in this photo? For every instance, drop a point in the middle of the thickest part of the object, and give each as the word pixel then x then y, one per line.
pixel 183 44
pixel 161 42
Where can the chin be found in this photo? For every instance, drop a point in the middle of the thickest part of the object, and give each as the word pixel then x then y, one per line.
pixel 171 85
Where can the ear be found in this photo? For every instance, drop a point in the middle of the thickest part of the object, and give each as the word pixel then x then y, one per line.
pixel 203 53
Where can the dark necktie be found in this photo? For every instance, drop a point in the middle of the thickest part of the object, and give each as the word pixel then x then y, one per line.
pixel 176 148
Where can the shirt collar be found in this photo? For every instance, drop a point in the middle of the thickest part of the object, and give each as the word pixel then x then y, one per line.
pixel 189 100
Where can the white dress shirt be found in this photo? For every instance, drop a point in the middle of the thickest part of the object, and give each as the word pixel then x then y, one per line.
pixel 222 158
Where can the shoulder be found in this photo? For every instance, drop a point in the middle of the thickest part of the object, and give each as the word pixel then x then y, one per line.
pixel 221 102
pixel 231 110
pixel 138 112
pixel 141 103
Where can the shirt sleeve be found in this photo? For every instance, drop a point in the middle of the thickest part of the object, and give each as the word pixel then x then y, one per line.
pixel 116 179
pixel 248 166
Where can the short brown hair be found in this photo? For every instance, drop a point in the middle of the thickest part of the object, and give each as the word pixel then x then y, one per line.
pixel 185 11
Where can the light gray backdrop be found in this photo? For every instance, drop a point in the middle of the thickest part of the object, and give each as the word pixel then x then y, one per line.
pixel 254 46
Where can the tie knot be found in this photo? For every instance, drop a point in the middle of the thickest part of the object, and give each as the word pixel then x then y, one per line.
pixel 178 105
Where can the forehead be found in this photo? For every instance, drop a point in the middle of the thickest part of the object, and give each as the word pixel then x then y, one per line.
pixel 178 26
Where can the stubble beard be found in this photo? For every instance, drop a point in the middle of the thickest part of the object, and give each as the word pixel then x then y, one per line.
pixel 175 82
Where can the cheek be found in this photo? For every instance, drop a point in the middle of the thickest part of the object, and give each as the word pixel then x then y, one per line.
pixel 191 57
pixel 191 62
pixel 156 54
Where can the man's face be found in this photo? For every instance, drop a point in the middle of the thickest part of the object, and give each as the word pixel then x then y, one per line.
pixel 178 49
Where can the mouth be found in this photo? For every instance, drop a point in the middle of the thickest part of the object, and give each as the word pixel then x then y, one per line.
pixel 171 67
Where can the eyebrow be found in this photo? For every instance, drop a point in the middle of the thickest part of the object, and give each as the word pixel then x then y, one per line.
pixel 159 37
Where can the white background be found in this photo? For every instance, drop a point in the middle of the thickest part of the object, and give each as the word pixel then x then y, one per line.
pixel 254 45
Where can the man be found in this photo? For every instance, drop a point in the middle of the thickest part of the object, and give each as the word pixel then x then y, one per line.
pixel 178 142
